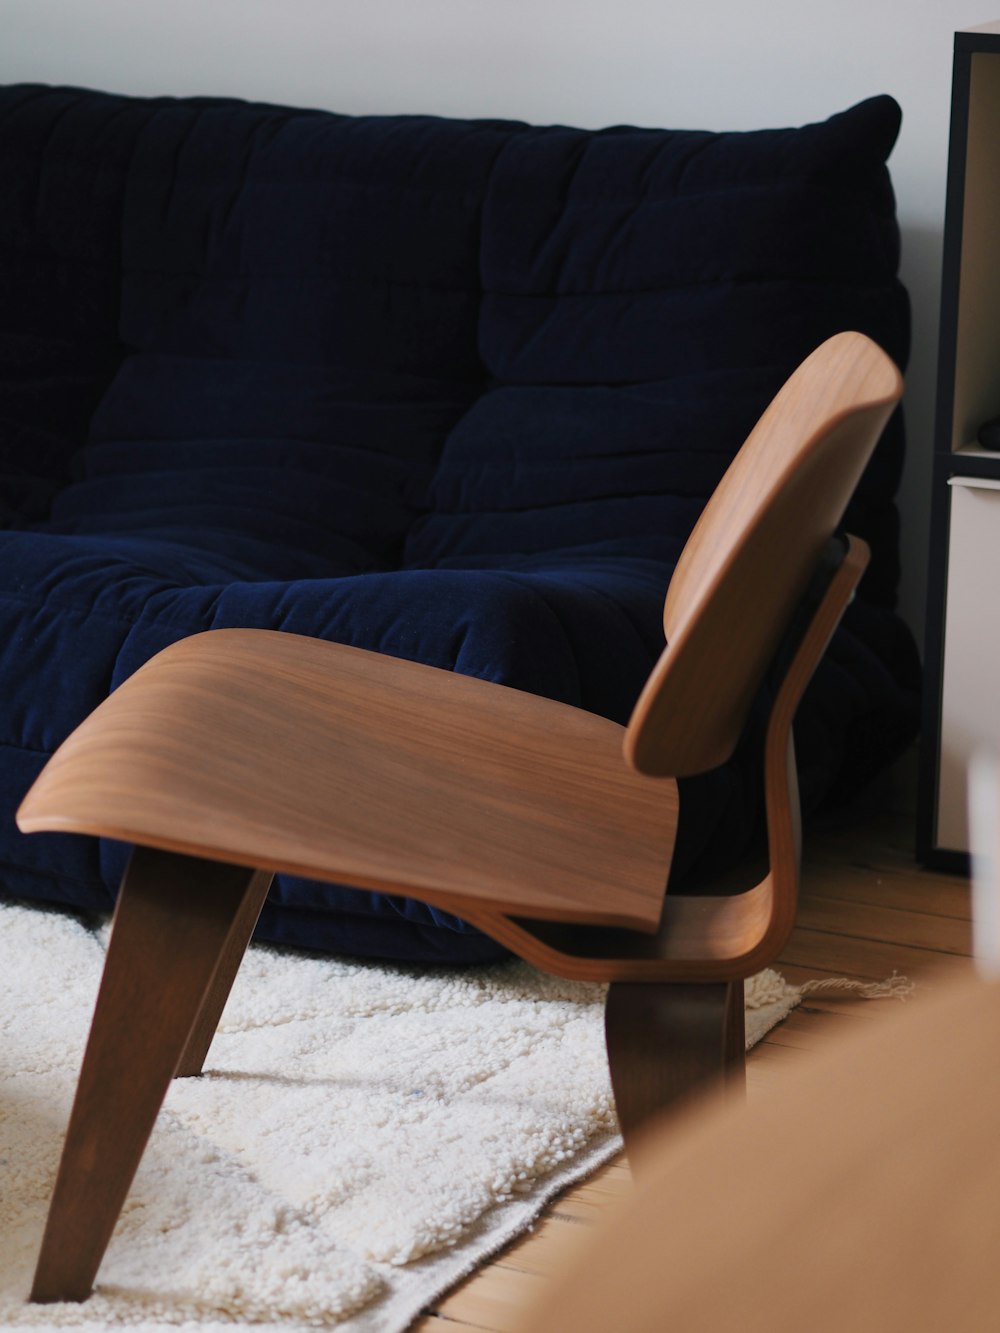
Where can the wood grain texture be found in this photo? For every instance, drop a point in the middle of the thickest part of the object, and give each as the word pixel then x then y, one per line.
pixel 752 552
pixel 668 1042
pixel 334 763
pixel 171 927
pixel 237 939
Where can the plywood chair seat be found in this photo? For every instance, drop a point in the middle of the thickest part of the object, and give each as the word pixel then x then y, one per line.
pixel 238 753
pixel 337 763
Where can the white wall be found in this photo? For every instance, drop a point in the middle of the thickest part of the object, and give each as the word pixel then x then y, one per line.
pixel 717 64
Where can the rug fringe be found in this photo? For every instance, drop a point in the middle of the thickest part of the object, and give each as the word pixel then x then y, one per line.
pixel 895 987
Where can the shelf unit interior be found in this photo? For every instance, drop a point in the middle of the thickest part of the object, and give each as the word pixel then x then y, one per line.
pixel 975 368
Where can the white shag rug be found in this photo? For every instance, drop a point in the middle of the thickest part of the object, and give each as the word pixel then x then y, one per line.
pixel 364 1135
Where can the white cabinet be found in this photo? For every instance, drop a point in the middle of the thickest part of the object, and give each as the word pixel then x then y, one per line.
pixel 970 686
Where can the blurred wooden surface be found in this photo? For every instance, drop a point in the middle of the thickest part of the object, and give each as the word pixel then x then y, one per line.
pixel 867 910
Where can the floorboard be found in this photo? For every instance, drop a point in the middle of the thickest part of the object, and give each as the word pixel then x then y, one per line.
pixel 867 910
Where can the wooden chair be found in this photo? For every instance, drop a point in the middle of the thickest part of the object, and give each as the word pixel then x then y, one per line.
pixel 238 753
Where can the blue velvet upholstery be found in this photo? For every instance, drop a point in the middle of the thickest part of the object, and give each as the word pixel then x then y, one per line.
pixel 451 390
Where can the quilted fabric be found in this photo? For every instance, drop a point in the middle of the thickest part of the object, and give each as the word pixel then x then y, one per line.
pixel 451 390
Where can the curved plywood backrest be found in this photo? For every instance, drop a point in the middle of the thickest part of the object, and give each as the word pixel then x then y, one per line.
pixel 752 553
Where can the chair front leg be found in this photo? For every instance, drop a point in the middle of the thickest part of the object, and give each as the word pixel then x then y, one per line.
pixel 667 1040
pixel 177 919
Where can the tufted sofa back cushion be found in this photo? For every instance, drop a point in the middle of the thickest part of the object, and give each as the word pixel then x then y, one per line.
pixel 302 345
pixel 297 318
pixel 645 293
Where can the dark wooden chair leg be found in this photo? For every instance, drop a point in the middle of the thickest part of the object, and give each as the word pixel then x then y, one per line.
pixel 734 1049
pixel 206 1025
pixel 668 1040
pixel 174 918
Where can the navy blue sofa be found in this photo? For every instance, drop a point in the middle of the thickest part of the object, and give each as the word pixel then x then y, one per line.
pixel 451 390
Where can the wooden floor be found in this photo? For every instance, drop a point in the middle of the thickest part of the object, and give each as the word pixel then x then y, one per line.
pixel 867 910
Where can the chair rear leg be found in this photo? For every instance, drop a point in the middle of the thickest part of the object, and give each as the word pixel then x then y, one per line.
pixel 206 1025
pixel 174 919
pixel 667 1040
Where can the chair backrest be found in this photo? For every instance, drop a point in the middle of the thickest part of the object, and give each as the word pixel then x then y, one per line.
pixel 753 551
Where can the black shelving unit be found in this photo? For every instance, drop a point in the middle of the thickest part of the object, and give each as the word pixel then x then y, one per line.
pixel 962 654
